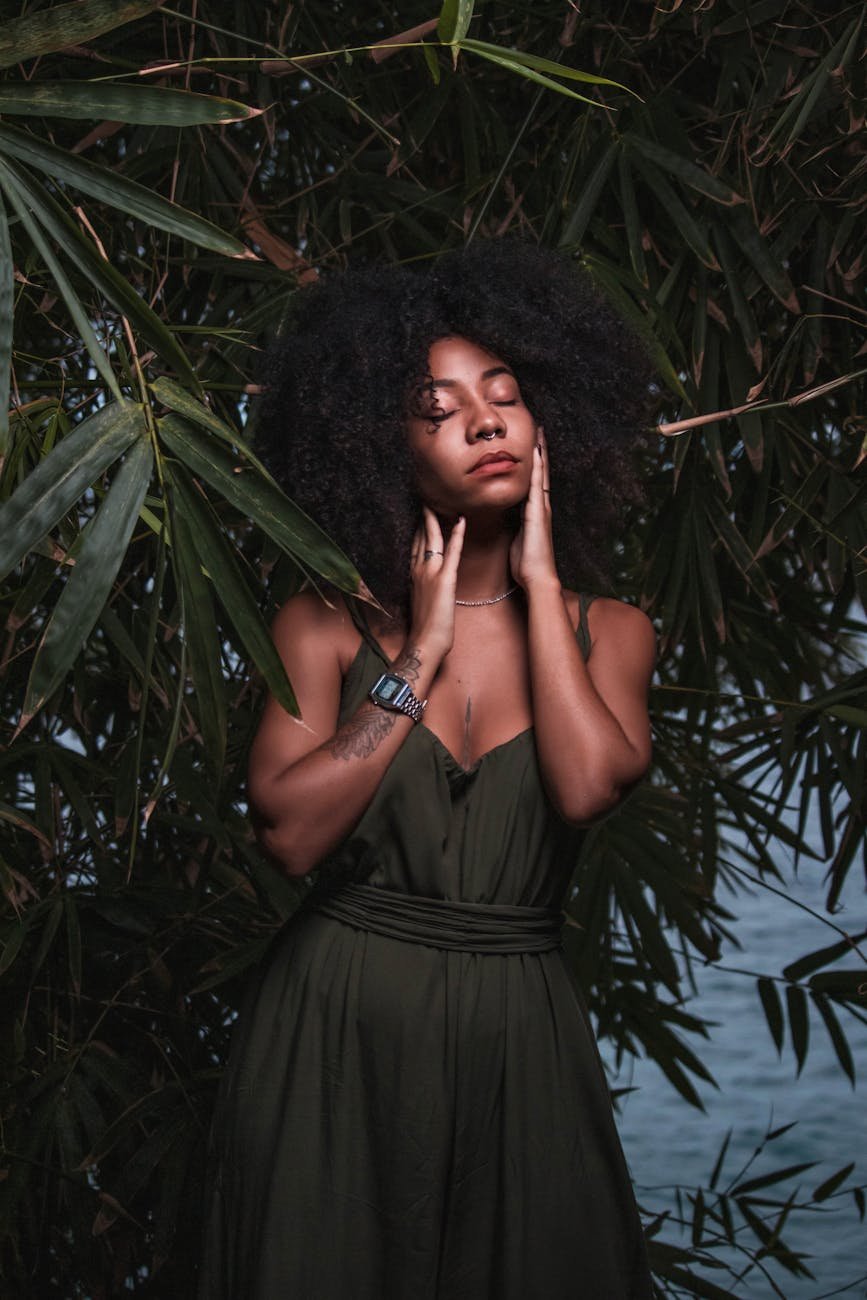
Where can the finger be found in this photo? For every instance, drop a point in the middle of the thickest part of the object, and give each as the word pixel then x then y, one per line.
pixel 546 467
pixel 416 547
pixel 433 532
pixel 535 493
pixel 455 546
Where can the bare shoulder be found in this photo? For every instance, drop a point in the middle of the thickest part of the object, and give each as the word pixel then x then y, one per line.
pixel 310 623
pixel 607 612
pixel 616 621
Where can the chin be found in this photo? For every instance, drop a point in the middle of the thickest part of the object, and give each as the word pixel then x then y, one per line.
pixel 496 495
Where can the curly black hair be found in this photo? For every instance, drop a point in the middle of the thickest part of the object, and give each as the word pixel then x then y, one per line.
pixel 338 380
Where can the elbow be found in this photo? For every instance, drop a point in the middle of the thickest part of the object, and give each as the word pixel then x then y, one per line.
pixel 587 806
pixel 285 850
pixel 583 807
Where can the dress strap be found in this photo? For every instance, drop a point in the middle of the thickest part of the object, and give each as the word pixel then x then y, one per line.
pixel 358 614
pixel 585 600
pixel 443 923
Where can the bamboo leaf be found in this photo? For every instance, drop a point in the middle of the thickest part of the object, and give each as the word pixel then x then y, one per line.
pixel 103 547
pixel 727 531
pixel 693 234
pixel 631 219
pixel 717 1169
pixel 7 304
pixel 179 399
pixel 106 277
pixel 830 1185
pixel 838 1039
pixel 73 941
pixel 768 1180
pixel 111 187
pixel 430 58
pixel 64 25
pixel 16 933
pixel 698 1217
pixel 743 312
pixel 845 985
pixel 11 182
pixel 49 933
pixel 454 20
pixel 523 69
pixel 203 640
pixel 542 65
pixel 653 947
pixel 60 478
pixel 684 170
pixel 796 507
pixel 590 193
pixel 757 252
pixel 813 961
pixel 261 500
pixel 773 1009
pixel 143 105
pixel 218 557
pixel 802 105
pixel 16 818
pixel 846 713
pixel 799 1025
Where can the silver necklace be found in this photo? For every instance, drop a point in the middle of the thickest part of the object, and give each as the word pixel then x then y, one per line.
pixel 491 601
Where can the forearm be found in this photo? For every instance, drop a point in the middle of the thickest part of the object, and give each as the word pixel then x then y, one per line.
pixel 585 757
pixel 309 807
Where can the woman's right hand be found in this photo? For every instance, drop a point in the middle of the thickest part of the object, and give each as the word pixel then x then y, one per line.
pixel 434 582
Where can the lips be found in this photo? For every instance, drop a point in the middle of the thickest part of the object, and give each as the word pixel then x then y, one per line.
pixel 491 458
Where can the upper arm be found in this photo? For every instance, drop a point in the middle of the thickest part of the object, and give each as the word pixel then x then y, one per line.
pixel 621 665
pixel 308 636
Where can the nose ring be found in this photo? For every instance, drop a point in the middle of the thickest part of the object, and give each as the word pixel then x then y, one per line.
pixel 487 436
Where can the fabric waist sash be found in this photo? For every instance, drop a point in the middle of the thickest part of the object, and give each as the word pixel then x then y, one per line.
pixel 441 923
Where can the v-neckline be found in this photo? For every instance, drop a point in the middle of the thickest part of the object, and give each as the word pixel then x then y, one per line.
pixel 439 743
pixel 468 771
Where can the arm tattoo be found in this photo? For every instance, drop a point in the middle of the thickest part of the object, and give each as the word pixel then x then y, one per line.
pixel 407 663
pixel 365 732
pixel 362 734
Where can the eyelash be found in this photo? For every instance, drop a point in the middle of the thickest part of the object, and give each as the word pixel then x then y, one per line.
pixel 438 417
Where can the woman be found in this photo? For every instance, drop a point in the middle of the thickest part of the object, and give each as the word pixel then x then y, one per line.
pixel 415 1106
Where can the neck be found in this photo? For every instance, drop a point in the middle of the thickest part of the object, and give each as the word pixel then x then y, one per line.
pixel 484 568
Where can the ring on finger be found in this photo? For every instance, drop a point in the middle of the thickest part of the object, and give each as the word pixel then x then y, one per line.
pixel 430 554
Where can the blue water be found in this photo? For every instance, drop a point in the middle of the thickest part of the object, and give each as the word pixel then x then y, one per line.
pixel 667 1142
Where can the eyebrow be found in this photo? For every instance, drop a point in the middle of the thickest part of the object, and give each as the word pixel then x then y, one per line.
pixel 486 374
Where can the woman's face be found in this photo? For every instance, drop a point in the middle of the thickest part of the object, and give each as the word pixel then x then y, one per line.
pixel 471 436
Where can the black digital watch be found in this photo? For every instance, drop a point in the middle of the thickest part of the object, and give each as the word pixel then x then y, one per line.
pixel 395 693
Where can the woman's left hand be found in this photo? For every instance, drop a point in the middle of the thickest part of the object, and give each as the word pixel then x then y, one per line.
pixel 531 555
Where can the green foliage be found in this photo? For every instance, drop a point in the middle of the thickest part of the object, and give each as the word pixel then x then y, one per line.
pixel 711 180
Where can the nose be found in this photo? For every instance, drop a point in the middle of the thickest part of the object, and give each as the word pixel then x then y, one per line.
pixel 485 422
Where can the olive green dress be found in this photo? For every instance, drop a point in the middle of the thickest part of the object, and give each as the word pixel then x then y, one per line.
pixel 415 1108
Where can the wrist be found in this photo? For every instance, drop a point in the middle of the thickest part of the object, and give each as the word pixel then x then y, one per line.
pixel 429 648
pixel 545 588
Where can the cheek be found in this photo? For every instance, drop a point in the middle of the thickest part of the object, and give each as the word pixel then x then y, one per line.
pixel 430 462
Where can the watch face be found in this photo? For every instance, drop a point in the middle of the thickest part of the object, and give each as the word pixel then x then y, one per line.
pixel 390 690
